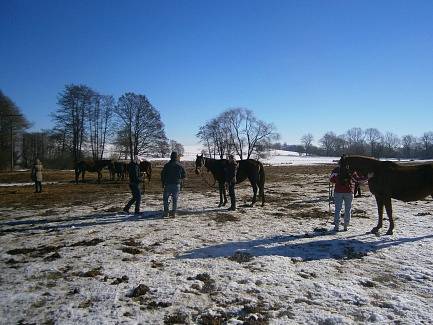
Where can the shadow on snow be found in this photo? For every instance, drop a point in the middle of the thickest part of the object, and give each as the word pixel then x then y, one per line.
pixel 307 250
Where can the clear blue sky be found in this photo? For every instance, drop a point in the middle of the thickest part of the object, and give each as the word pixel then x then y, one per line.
pixel 306 66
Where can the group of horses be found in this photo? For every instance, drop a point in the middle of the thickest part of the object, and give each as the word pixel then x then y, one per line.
pixel 387 180
pixel 117 169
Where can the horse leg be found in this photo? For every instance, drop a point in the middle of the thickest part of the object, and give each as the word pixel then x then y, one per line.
pixel 224 194
pixel 388 207
pixel 99 176
pixel 254 186
pixel 379 202
pixel 77 175
pixel 262 193
pixel 221 194
pixel 82 175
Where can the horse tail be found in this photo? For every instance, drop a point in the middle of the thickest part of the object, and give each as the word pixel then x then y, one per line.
pixel 261 182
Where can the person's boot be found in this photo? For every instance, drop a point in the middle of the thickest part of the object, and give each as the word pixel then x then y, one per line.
pixel 126 210
pixel 173 214
pixel 165 214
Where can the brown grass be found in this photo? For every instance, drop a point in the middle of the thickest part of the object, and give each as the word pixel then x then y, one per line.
pixel 67 193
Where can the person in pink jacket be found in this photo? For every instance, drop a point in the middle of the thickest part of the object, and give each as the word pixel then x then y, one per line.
pixel 344 188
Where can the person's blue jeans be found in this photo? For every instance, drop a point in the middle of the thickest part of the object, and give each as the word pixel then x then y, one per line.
pixel 136 197
pixel 173 191
pixel 339 198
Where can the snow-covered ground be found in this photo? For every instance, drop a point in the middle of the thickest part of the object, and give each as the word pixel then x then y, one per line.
pixel 275 264
pixel 24 184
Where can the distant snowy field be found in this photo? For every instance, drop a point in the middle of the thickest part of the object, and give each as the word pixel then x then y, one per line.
pixel 276 157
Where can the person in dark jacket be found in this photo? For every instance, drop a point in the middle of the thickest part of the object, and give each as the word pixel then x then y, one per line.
pixel 230 175
pixel 36 175
pixel 172 175
pixel 134 182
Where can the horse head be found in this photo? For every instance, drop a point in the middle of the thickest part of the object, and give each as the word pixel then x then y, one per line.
pixel 365 166
pixel 200 162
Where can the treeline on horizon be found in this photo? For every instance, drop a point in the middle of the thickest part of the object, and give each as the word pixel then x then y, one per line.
pixel 369 142
pixel 87 124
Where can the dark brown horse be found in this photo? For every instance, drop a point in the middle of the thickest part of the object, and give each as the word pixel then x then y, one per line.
pixel 91 166
pixel 119 169
pixel 389 180
pixel 146 168
pixel 247 169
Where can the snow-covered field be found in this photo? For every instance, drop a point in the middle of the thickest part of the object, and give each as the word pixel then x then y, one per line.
pixel 276 264
pixel 276 157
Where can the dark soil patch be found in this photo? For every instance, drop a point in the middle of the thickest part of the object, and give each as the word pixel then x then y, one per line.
pixel 151 305
pixel 208 282
pixel 123 279
pixel 35 251
pixel 131 242
pixel 156 264
pixel 314 213
pixel 139 291
pixel 225 217
pixel 176 318
pixel 359 213
pixel 91 273
pixel 241 257
pixel 422 214
pixel 92 242
pixel 131 250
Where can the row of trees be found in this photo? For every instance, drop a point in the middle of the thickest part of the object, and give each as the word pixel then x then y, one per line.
pixel 237 131
pixel 370 142
pixel 87 125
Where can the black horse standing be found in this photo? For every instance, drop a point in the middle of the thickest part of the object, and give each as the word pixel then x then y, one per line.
pixel 247 169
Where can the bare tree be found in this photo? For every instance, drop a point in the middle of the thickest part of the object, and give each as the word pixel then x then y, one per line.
pixel 237 131
pixel 307 142
pixel 258 133
pixel 140 124
pixel 206 139
pixel 391 143
pixel 232 124
pixel 100 123
pixel 408 143
pixel 373 138
pixel 212 134
pixel 328 142
pixel 177 147
pixel 427 142
pixel 355 140
pixel 74 102
pixel 162 147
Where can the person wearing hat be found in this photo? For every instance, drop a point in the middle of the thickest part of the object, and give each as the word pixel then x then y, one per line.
pixel 230 177
pixel 36 175
pixel 172 176
pixel 344 182
pixel 134 182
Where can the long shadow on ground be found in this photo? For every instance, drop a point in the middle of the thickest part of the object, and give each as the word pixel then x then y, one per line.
pixel 50 224
pixel 301 246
